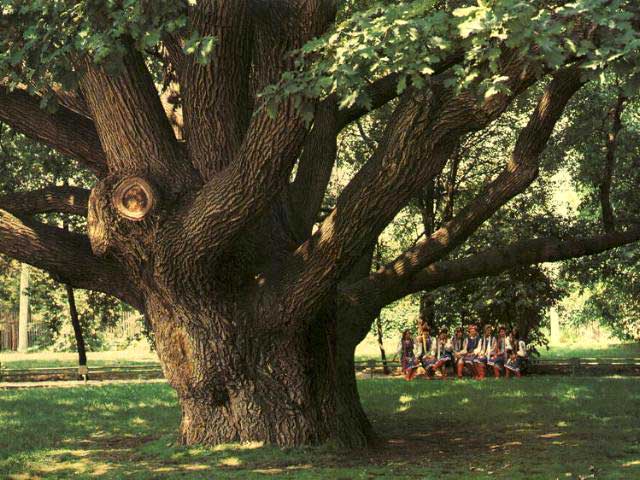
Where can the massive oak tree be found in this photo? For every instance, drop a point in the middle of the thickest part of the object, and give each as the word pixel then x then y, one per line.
pixel 204 213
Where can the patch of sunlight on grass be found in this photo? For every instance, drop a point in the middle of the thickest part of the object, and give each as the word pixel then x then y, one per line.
pixel 632 463
pixel 268 471
pixel 575 393
pixel 562 424
pixel 276 471
pixel 195 467
pixel 230 462
pixel 550 435
pixel 81 466
pixel 464 401
pixel 405 403
pixel 237 446
pixel 138 421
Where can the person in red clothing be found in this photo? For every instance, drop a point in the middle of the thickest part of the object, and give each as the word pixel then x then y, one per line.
pixel 408 359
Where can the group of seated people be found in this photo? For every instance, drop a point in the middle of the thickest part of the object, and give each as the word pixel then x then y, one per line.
pixel 471 354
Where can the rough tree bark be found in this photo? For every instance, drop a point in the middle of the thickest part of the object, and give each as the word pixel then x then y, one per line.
pixel 256 314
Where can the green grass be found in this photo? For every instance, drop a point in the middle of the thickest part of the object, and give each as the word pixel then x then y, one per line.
pixel 617 350
pixel 533 428
pixel 15 360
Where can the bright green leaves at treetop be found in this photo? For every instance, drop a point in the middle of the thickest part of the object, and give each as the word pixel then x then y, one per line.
pixel 47 41
pixel 411 38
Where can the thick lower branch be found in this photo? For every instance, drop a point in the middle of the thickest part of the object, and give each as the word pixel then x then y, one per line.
pixel 73 200
pixel 385 284
pixel 497 260
pixel 420 137
pixel 134 130
pixel 65 130
pixel 66 256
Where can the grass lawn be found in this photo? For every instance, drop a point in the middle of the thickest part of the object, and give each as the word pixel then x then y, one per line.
pixel 618 350
pixel 533 428
pixel 15 360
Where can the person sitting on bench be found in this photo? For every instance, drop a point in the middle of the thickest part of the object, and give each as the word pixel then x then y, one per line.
pixel 470 349
pixel 516 353
pixel 408 359
pixel 498 355
pixel 457 342
pixel 425 349
pixel 443 352
pixel 486 346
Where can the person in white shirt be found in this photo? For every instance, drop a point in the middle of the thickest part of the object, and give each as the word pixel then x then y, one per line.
pixel 443 352
pixel 498 355
pixel 482 352
pixel 516 354
pixel 425 349
pixel 470 349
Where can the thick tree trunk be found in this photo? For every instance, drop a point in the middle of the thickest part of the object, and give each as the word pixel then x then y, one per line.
pixel 239 380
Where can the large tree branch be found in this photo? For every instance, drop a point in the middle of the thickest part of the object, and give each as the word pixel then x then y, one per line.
pixel 615 116
pixel 521 170
pixel 314 171
pixel 67 256
pixel 134 130
pixel 234 198
pixel 497 260
pixel 420 137
pixel 385 89
pixel 65 130
pixel 318 157
pixel 65 199
pixel 216 95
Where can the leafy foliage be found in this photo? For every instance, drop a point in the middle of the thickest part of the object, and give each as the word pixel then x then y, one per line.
pixel 410 39
pixel 45 43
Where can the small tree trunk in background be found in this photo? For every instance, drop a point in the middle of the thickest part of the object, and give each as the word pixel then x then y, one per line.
pixel 377 263
pixel 77 328
pixel 383 355
pixel 25 313
pixel 615 115
pixel 555 325
pixel 426 201
pixel 427 311
pixel 75 320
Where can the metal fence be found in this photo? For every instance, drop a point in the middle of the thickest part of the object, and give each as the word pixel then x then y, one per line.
pixel 10 330
pixel 129 327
